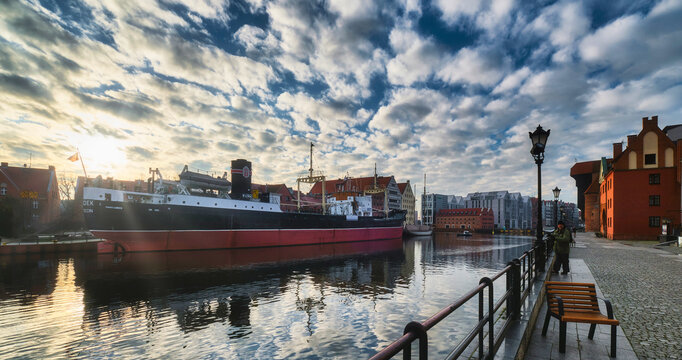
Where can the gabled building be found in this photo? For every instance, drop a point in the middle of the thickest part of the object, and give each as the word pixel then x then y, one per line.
pixel 30 195
pixel 288 202
pixel 636 194
pixel 512 210
pixel 363 186
pixel 408 202
pixel 640 191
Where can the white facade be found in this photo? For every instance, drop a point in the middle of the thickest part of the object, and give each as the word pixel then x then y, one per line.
pixel 511 210
pixel 345 207
pixel 431 204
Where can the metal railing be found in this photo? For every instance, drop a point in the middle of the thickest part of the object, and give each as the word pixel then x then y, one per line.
pixel 519 274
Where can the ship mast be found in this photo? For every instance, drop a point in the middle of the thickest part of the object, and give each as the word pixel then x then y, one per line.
pixel 377 190
pixel 312 179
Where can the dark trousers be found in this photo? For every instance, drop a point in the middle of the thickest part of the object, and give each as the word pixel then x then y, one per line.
pixel 560 261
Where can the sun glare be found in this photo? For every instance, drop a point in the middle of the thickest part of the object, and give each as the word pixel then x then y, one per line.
pixel 102 154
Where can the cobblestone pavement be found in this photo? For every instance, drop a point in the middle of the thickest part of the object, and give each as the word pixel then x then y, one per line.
pixel 644 284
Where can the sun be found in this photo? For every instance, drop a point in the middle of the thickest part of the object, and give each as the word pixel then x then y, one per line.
pixel 101 154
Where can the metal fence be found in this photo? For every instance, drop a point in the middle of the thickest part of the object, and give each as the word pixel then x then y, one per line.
pixel 519 275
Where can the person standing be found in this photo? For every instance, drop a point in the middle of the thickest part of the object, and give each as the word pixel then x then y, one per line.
pixel 562 247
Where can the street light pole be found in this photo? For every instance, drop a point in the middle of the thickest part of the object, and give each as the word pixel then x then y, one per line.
pixel 556 192
pixel 539 140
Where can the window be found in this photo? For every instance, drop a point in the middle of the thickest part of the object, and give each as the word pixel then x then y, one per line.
pixel 3 190
pixel 654 200
pixel 35 204
pixel 654 179
pixel 654 221
pixel 649 159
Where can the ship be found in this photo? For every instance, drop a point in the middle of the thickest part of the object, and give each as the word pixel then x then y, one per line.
pixel 198 216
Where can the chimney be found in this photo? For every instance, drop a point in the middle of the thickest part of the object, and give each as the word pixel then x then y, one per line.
pixel 644 121
pixel 631 140
pixel 617 149
pixel 4 164
pixel 654 120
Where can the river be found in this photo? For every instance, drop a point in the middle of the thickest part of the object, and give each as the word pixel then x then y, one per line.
pixel 342 301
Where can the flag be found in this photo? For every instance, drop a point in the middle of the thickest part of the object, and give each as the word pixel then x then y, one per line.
pixel 74 157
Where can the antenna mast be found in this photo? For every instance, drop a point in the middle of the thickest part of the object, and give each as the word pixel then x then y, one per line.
pixel 311 159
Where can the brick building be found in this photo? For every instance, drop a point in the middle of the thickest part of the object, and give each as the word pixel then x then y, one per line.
pixel 471 219
pixel 358 187
pixel 637 194
pixel 29 196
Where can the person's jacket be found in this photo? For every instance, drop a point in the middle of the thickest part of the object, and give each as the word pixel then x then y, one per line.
pixel 562 241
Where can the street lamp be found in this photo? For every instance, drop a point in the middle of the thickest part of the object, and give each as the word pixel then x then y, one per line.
pixel 556 192
pixel 539 140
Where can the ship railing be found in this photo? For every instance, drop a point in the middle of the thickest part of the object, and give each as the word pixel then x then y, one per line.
pixel 519 275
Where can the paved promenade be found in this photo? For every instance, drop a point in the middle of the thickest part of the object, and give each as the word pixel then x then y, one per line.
pixel 644 285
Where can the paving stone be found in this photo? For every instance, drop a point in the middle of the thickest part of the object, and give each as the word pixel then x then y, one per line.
pixel 644 286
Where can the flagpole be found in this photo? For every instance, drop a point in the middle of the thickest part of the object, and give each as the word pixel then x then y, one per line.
pixel 83 165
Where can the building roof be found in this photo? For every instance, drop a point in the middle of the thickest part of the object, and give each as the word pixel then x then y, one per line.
pixel 351 184
pixel 271 188
pixel 29 179
pixel 464 212
pixel 585 167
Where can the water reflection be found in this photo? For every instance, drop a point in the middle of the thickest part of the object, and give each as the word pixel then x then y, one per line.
pixel 337 300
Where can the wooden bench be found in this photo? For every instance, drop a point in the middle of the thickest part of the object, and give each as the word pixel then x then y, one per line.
pixel 577 302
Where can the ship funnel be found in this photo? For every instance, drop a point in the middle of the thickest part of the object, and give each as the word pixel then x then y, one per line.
pixel 241 179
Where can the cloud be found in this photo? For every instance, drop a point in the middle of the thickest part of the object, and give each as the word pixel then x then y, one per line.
pixel 635 45
pixel 19 86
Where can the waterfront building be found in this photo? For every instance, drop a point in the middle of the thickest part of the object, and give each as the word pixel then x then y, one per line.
pixel 586 175
pixel 456 202
pixel 639 190
pixel 565 211
pixel 29 198
pixel 431 205
pixel 512 210
pixel 407 202
pixel 364 186
pixel 286 195
pixel 474 220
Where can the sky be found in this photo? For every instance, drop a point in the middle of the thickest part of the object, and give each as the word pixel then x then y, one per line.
pixel 442 87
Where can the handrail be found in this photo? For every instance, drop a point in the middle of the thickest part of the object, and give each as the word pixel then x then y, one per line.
pixel 520 274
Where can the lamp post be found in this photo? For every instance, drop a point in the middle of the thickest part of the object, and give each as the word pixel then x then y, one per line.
pixel 539 140
pixel 556 192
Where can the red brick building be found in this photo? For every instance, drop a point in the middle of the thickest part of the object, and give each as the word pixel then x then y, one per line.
pixel 287 199
pixel 358 186
pixel 31 195
pixel 637 193
pixel 472 219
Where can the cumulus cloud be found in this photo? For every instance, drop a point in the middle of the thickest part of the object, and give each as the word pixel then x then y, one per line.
pixel 406 84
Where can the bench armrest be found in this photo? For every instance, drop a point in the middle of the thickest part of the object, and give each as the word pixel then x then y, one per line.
pixel 609 307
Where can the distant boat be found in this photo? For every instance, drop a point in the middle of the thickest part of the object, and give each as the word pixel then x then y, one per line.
pixel 464 233
pixel 418 230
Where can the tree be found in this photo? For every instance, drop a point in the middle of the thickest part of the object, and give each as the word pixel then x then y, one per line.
pixel 67 186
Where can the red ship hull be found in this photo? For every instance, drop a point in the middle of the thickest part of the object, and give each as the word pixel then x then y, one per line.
pixel 175 240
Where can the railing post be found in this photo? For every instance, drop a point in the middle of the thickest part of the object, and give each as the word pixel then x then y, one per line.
pixel 514 283
pixel 419 329
pixel 480 317
pixel 491 316
pixel 541 256
pixel 510 287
